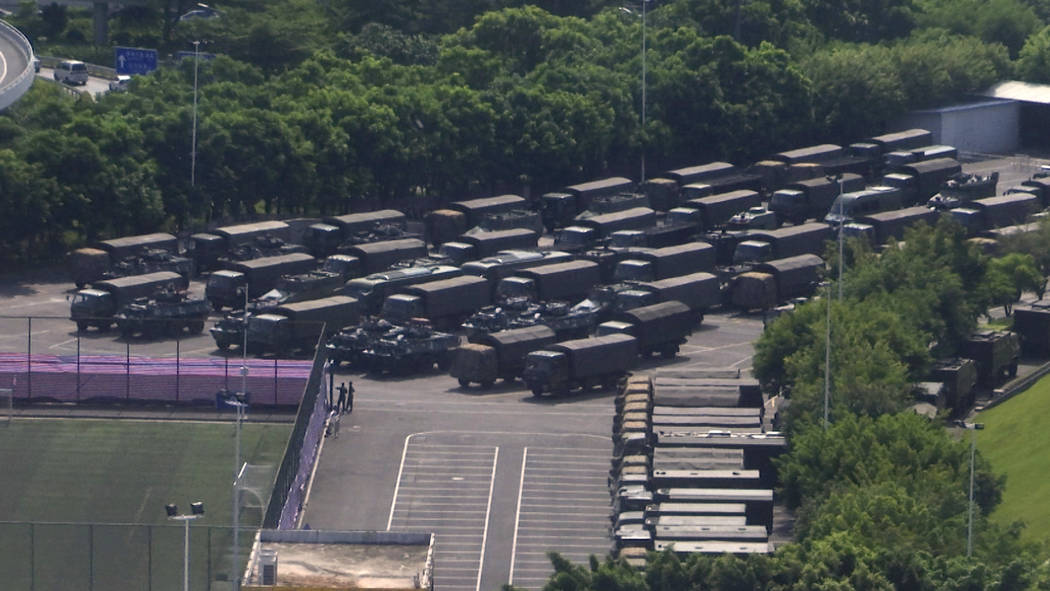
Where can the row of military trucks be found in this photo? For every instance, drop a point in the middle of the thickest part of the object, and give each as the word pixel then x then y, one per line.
pixel 692 465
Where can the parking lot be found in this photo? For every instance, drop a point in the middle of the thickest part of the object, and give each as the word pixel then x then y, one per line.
pixel 500 476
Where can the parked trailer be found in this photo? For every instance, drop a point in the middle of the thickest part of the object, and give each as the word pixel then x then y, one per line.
pixel 98 305
pixel 379 256
pixel 716 210
pixel 590 232
pixel 560 281
pixel 772 282
pixel 659 328
pixel 891 225
pixel 371 291
pixel 499 355
pixel 781 243
pixel 445 302
pixel 698 173
pixel 299 325
pixel 670 261
pixel 475 209
pixel 119 248
pixel 225 287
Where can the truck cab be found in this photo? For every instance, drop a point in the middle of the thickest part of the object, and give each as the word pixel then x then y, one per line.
pixel 268 331
pixel 322 239
pixel 790 204
pixel 546 370
pixel 752 251
pixel 634 270
pixel 225 288
pixel 400 308
pixel 558 209
pixel 512 288
pixel 456 253
pixel 576 238
pixel 88 305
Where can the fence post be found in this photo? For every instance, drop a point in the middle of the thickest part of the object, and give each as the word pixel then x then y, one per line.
pixel 127 370
pixel 32 556
pixel 178 365
pixel 91 557
pixel 29 357
pixel 226 371
pixel 275 382
pixel 78 366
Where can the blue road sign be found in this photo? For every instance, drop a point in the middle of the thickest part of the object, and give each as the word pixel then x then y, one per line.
pixel 134 60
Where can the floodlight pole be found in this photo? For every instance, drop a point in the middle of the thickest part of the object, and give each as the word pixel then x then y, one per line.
pixel 193 147
pixel 841 221
pixel 827 358
pixel 969 522
pixel 185 519
pixel 644 51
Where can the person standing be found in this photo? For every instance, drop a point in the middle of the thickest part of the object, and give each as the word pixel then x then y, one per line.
pixel 350 398
pixel 340 404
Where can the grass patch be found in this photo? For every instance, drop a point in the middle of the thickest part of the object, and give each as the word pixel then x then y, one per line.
pixel 122 472
pixel 1014 441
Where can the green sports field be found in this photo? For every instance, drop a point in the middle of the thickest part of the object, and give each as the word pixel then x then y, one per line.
pixel 111 472
pixel 1016 440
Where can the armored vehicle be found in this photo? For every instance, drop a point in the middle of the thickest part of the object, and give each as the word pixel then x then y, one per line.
pixel 414 347
pixel 165 312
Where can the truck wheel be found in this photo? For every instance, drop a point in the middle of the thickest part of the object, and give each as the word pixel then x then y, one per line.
pixel 197 327
pixel 464 382
pixel 104 327
pixel 669 352
pixel 82 326
pixel 216 305
pixel 222 345
pixel 1013 369
pixel 444 362
pixel 486 384
pixel 537 391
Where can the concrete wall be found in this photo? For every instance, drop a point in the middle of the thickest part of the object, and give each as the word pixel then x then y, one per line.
pixel 985 127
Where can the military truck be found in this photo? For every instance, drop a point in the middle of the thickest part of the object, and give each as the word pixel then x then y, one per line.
pixel 929 176
pixel 996 212
pixel 901 140
pixel 817 153
pixel 580 364
pixel 559 281
pixel 770 283
pixel 468 247
pixel 474 210
pixel 671 261
pixel 167 311
pixel 323 239
pixel 660 328
pixel 499 355
pixel 699 291
pixel 663 193
pixel 371 291
pixel 720 185
pixel 380 256
pixel 695 174
pixel 591 232
pixel 225 287
pixel 812 198
pixel 98 305
pixel 680 225
pixel 1032 324
pixel 414 347
pixel 716 210
pixel 259 247
pixel 781 243
pixel 506 263
pixel 959 377
pixel 299 325
pixel 208 247
pixel 559 208
pixel 891 225
pixel 445 303
pixel 996 354
pixel 91 264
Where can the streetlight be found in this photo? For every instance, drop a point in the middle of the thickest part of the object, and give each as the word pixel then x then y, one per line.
pixel 973 449
pixel 196 512
pixel 193 146
pixel 827 358
pixel 240 404
pixel 644 85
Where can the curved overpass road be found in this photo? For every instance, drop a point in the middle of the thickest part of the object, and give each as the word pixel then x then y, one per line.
pixel 12 61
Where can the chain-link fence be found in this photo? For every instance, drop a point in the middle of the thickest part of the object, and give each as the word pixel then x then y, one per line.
pixel 56 362
pixel 39 556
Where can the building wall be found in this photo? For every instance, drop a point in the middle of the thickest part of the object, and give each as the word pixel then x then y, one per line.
pixel 986 127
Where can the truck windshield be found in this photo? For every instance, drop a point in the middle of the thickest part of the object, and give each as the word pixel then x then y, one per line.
pixel 514 289
pixel 570 238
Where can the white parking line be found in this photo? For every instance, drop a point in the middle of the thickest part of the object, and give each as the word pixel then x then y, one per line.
pixel 488 512
pixel 517 514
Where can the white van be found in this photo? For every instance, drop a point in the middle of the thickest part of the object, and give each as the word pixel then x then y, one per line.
pixel 71 72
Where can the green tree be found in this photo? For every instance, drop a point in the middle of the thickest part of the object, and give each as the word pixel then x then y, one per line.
pixel 1033 63
pixel 1009 276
